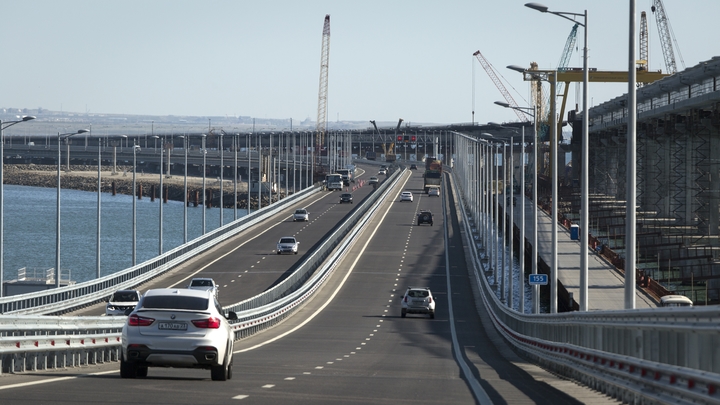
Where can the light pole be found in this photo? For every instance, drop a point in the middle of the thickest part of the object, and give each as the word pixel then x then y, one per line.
pixel 535 300
pixel 222 179
pixel 160 224
pixel 248 143
pixel 585 154
pixel 136 148
pixel 236 142
pixel 204 203
pixel 98 252
pixel 6 124
pixel 57 216
pixel 186 143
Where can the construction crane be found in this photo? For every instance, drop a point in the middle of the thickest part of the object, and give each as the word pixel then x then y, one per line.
pixel 540 99
pixel 642 63
pixel 666 37
pixel 323 92
pixel 486 65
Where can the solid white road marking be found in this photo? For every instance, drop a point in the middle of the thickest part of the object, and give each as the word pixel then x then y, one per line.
pixel 51 380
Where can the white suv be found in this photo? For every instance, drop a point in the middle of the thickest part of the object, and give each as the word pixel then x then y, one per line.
pixel 406 196
pixel 418 300
pixel 177 327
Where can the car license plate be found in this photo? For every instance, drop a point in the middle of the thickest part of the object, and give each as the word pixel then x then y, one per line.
pixel 418 301
pixel 172 325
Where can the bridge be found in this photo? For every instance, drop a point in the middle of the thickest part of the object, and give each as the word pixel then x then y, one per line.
pixel 324 326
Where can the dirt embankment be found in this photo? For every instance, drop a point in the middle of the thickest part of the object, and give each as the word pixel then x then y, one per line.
pixel 84 178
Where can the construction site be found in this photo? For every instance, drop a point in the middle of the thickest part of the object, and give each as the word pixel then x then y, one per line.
pixel 678 175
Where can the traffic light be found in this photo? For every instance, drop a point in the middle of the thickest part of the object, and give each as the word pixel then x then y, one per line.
pixel 413 138
pixel 399 138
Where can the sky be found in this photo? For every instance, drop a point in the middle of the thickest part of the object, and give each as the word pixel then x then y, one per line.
pixel 389 59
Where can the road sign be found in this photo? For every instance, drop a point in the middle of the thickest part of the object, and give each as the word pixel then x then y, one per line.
pixel 538 279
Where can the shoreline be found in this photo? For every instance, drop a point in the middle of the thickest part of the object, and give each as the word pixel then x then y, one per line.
pixel 84 178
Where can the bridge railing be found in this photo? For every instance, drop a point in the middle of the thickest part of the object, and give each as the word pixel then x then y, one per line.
pixel 31 342
pixel 59 300
pixel 657 355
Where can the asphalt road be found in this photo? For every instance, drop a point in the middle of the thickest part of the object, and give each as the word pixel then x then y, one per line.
pixel 248 264
pixel 348 344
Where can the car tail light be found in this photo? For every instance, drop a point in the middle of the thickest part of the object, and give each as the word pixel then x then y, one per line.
pixel 136 320
pixel 209 323
pixel 405 299
pixel 429 300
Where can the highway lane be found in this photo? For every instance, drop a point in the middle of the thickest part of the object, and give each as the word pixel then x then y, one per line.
pixel 349 344
pixel 247 264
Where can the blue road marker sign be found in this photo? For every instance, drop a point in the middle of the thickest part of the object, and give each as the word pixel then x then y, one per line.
pixel 538 279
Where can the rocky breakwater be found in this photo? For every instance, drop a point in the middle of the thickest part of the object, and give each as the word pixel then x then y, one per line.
pixel 84 178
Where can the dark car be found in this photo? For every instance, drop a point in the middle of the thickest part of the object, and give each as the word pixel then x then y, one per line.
pixel 346 198
pixel 413 166
pixel 425 217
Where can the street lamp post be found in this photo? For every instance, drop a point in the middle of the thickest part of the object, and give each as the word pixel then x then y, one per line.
pixel 57 216
pixel 136 148
pixel 98 252
pixel 204 203
pixel 186 142
pixel 236 141
pixel 222 179
pixel 585 154
pixel 248 144
pixel 6 124
pixel 160 225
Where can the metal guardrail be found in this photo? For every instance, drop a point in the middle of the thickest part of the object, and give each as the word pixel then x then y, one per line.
pixel 657 355
pixel 31 342
pixel 59 300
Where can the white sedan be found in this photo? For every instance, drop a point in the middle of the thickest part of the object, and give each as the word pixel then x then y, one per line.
pixel 287 244
pixel 406 196
pixel 301 214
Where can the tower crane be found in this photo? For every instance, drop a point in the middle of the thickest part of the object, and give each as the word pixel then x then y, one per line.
pixel 323 91
pixel 486 65
pixel 666 37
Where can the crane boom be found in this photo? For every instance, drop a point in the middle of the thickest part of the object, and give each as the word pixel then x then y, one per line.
pixel 643 62
pixel 486 65
pixel 569 45
pixel 323 91
pixel 665 36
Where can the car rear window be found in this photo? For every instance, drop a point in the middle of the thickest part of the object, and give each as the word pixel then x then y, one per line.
pixel 418 293
pixel 287 240
pixel 201 283
pixel 175 302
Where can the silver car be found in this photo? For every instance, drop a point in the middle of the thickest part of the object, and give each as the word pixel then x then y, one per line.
pixel 177 327
pixel 122 302
pixel 301 214
pixel 287 244
pixel 204 283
